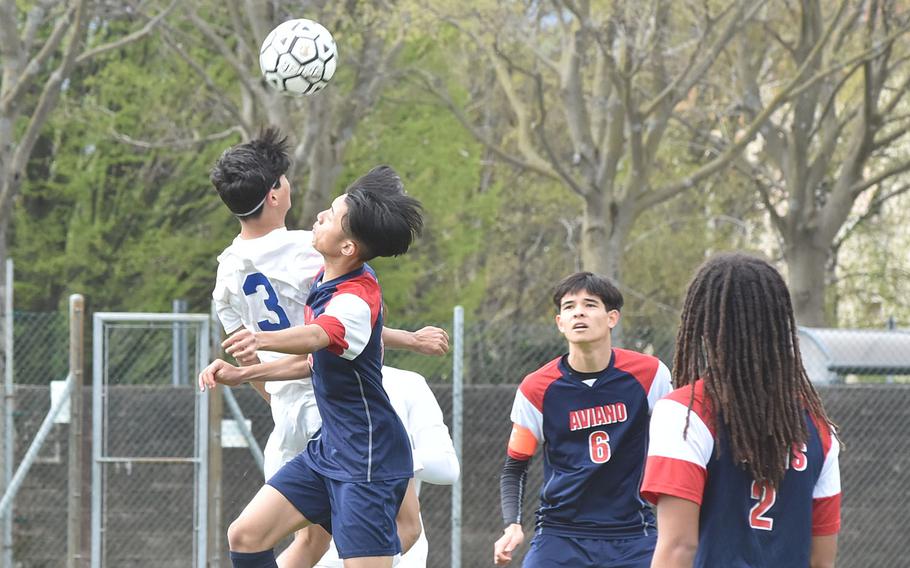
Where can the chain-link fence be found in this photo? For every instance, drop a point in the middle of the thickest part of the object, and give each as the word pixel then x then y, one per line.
pixel 147 466
pixel 150 409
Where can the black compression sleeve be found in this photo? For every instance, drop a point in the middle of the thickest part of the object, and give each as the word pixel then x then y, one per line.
pixel 512 489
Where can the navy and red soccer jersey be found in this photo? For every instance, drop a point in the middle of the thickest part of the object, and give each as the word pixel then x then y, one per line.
pixel 362 438
pixel 594 431
pixel 742 523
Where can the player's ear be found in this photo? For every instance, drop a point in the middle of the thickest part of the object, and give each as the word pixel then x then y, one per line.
pixel 349 248
pixel 613 317
pixel 559 325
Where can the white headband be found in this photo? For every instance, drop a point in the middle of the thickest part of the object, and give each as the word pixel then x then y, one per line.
pixel 254 209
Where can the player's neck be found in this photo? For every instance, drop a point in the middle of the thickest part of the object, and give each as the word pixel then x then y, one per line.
pixel 590 357
pixel 339 266
pixel 254 229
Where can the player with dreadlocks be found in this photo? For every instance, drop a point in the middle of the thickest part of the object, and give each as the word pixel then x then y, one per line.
pixel 743 461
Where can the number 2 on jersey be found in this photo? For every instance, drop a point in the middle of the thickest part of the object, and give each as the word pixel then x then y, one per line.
pixel 258 280
pixel 766 496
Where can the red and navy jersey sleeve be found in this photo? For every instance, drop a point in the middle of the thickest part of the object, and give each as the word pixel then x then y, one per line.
pixel 527 410
pixel 350 315
pixel 826 494
pixel 648 370
pixel 678 457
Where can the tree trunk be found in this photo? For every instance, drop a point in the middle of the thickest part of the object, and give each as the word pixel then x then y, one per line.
pixel 806 263
pixel 605 229
pixel 324 170
pixel 594 242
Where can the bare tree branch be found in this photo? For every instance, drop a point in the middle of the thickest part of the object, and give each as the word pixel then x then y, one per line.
pixel 179 142
pixel 860 187
pixel 46 101
pixel 889 139
pixel 695 71
pixel 542 135
pixel 786 93
pixel 433 84
pixel 224 100
pixel 872 210
pixel 241 70
pixel 865 56
pixel 127 39
pixel 35 65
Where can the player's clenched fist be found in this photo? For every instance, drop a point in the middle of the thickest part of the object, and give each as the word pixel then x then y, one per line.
pixel 431 341
pixel 241 345
pixel 509 541
pixel 220 372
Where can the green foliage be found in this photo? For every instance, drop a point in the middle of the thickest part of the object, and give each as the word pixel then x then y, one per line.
pixel 128 226
pixel 134 225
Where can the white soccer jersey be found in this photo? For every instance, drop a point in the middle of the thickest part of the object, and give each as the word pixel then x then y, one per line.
pixel 262 285
pixel 434 454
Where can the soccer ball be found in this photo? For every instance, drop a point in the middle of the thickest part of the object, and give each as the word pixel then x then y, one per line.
pixel 299 57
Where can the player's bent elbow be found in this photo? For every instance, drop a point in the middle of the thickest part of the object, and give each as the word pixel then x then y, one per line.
pixel 677 553
pixel 454 471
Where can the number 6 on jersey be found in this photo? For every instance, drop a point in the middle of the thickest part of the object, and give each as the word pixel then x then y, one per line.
pixel 599 446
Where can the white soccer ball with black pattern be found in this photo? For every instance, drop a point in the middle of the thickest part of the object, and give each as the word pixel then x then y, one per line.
pixel 299 57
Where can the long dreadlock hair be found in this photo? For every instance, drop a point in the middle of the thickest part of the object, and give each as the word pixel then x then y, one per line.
pixel 738 334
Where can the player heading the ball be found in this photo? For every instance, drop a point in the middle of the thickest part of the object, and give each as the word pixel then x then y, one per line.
pixel 352 477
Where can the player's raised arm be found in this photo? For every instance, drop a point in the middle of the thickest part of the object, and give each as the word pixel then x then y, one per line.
pixel 284 369
pixel 299 340
pixel 429 340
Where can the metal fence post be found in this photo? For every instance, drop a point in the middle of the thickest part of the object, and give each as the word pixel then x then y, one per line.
pixel 9 434
pixel 457 404
pixel 74 557
pixel 202 449
pixel 98 395
pixel 179 353
pixel 216 411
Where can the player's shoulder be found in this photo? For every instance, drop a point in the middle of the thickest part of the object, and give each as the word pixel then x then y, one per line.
pixel 692 395
pixel 826 434
pixel 363 284
pixel 229 252
pixel 534 386
pixel 641 365
pixel 648 370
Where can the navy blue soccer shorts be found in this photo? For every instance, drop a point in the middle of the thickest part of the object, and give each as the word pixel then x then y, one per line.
pixel 551 551
pixel 359 516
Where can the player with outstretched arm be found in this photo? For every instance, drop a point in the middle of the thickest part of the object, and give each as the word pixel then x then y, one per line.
pixel 355 470
pixel 263 280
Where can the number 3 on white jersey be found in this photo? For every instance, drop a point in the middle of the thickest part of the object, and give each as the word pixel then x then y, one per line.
pixel 258 280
